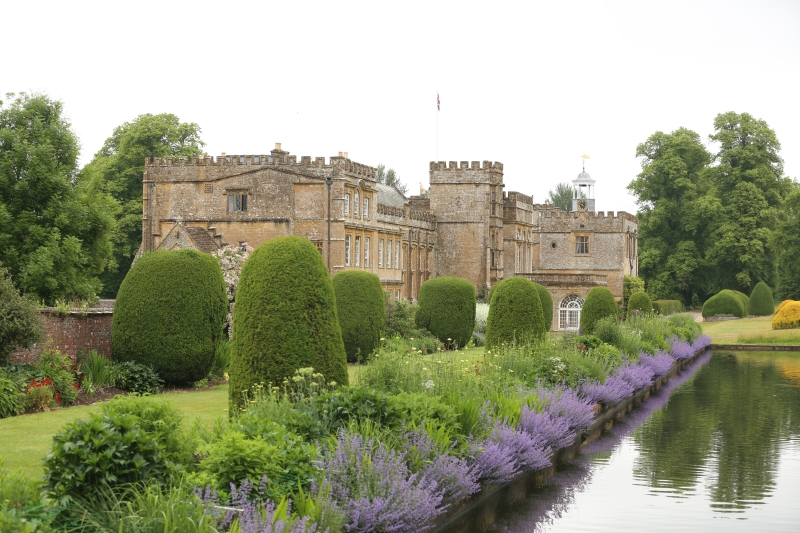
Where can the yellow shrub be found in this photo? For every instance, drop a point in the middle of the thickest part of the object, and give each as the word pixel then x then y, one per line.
pixel 788 317
pixel 780 305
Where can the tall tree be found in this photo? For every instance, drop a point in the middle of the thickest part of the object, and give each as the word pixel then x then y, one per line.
pixel 562 197
pixel 750 185
pixel 120 165
pixel 675 207
pixel 390 177
pixel 55 226
pixel 787 244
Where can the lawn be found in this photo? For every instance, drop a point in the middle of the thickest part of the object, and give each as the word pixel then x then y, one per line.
pixel 749 331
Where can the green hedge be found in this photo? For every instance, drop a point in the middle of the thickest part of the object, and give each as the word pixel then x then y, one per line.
pixel 284 318
pixel 725 302
pixel 515 313
pixel 667 307
pixel 361 310
pixel 599 303
pixel 640 301
pixel 446 308
pixel 547 305
pixel 630 285
pixel 169 314
pixel 745 299
pixel 761 302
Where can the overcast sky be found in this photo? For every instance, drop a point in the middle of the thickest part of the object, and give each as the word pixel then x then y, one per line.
pixel 533 85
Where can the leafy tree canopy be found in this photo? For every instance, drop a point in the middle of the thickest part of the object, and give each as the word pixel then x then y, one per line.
pixel 55 225
pixel 390 177
pixel 562 197
pixel 120 166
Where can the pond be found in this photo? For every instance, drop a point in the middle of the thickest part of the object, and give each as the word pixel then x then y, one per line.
pixel 717 449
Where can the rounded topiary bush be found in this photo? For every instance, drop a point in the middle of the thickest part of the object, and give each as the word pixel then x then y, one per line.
pixel 640 301
pixel 515 313
pixel 599 303
pixel 284 318
pixel 788 317
pixel 361 310
pixel 169 314
pixel 547 305
pixel 745 299
pixel 446 308
pixel 725 302
pixel 761 302
pixel 781 305
pixel 667 307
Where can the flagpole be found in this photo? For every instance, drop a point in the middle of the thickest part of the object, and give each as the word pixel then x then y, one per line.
pixel 437 124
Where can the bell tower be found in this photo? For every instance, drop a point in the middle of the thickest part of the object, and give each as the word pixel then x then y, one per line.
pixel 583 190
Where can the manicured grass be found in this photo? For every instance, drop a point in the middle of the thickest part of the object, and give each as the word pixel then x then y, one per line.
pixel 25 440
pixel 749 331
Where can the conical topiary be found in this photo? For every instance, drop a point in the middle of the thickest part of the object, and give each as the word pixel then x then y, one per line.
pixel 640 301
pixel 547 305
pixel 761 302
pixel 599 303
pixel 284 318
pixel 446 308
pixel 515 313
pixel 361 310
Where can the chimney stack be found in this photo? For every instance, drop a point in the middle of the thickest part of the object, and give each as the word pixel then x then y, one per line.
pixel 346 156
pixel 277 146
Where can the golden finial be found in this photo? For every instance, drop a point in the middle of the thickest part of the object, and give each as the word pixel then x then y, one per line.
pixel 584 157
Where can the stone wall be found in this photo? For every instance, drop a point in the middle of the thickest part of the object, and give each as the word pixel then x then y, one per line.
pixel 72 334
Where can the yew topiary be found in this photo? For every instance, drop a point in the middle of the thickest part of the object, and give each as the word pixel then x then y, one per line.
pixel 547 305
pixel 362 312
pixel 780 305
pixel 725 302
pixel 284 319
pixel 599 303
pixel 446 308
pixel 761 302
pixel 515 313
pixel 745 299
pixel 169 314
pixel 640 301
pixel 788 317
pixel 667 307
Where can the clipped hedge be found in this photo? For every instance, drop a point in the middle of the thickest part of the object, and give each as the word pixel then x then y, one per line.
pixel 284 319
pixel 667 307
pixel 761 302
pixel 361 311
pixel 725 302
pixel 745 299
pixel 446 308
pixel 547 305
pixel 631 285
pixel 640 301
pixel 599 303
pixel 788 317
pixel 515 313
pixel 783 303
pixel 169 314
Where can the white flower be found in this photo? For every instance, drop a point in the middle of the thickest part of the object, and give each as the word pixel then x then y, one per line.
pixel 428 384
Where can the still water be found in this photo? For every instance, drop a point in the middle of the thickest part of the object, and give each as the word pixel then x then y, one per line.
pixel 717 449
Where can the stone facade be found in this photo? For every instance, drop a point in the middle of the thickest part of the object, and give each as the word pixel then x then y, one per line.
pixel 465 225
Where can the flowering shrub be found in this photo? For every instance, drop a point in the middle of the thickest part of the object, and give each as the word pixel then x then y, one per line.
pixel 702 342
pixel 231 259
pixel 681 350
pixel 494 462
pixel 58 369
pixel 637 375
pixel 548 430
pixel 659 364
pixel 42 395
pixel 567 403
pixel 611 391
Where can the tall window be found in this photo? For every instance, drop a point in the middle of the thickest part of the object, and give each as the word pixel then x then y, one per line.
pixel 397 254
pixel 358 251
pixel 569 312
pixel 347 250
pixel 347 203
pixel 380 252
pixel 355 204
pixel 389 254
pixel 366 207
pixel 582 245
pixel 237 202
pixel 366 251
pixel 494 199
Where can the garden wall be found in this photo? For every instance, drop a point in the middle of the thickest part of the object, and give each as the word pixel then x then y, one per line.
pixel 72 333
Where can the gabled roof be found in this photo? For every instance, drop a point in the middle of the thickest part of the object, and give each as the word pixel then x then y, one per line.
pixel 202 239
pixel 389 195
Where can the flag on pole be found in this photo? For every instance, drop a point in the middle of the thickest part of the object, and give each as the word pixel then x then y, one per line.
pixel 438 104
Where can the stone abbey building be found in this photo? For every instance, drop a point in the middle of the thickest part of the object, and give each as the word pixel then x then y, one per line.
pixel 466 225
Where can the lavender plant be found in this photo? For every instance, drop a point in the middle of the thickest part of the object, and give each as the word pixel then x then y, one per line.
pixel 611 391
pixel 637 375
pixel 659 364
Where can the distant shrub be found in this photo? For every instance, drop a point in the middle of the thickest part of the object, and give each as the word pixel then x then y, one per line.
pixel 515 313
pixel 599 303
pixel 630 285
pixel 725 302
pixel 788 317
pixel 547 305
pixel 58 368
pixel 285 318
pixel 640 301
pixel 761 302
pixel 20 323
pixel 169 314
pixel 399 317
pixel 783 303
pixel 361 311
pixel 135 377
pixel 667 307
pixel 446 308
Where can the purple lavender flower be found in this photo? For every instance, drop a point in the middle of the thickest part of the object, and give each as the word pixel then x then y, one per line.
pixel 493 462
pixel 659 364
pixel 548 430
pixel 681 350
pixel 637 375
pixel 375 488
pixel 701 343
pixel 531 449
pixel 613 390
pixel 566 402
pixel 453 476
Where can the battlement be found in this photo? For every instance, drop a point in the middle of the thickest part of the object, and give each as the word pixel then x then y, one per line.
pixel 267 160
pixel 466 165
pixel 597 220
pixel 515 197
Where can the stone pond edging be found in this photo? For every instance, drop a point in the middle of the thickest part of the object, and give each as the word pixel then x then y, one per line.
pixel 483 507
pixel 756 347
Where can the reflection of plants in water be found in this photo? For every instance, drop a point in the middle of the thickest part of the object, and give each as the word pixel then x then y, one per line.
pixel 730 419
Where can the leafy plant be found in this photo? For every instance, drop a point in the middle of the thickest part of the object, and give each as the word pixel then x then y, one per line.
pixel 639 302
pixel 56 367
pixel 222 359
pixel 98 372
pixel 399 317
pixel 10 399
pixel 361 310
pixel 599 304
pixel 136 377
pixel 446 308
pixel 20 323
pixel 515 314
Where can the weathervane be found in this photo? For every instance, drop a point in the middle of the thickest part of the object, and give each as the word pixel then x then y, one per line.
pixel 584 157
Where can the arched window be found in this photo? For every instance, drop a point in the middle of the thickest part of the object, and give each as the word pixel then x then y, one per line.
pixel 569 313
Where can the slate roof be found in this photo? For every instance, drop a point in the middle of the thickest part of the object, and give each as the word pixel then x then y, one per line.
pixel 388 195
pixel 202 239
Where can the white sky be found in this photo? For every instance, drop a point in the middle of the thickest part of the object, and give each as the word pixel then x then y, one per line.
pixel 530 84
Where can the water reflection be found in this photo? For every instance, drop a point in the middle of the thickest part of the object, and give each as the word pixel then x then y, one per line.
pixel 725 444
